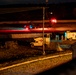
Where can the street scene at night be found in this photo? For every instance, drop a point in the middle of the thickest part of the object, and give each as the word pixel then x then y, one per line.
pixel 37 37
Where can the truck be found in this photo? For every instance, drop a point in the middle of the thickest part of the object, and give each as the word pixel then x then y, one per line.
pixel 38 42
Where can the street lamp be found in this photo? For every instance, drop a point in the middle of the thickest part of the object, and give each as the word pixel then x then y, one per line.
pixel 43 28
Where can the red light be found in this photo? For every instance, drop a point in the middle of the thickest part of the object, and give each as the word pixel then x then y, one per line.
pixel 27 28
pixel 53 20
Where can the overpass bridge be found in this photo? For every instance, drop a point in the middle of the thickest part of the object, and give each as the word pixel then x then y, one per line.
pixel 61 25
pixel 40 30
pixel 36 21
pixel 32 33
pixel 26 33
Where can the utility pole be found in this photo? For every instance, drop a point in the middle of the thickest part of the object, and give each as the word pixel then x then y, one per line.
pixel 43 28
pixel 43 31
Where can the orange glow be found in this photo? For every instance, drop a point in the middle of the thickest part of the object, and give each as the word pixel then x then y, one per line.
pixel 42 28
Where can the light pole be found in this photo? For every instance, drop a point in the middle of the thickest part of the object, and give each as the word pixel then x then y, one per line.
pixel 43 28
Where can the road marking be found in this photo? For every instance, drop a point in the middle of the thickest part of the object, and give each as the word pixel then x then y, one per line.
pixel 27 62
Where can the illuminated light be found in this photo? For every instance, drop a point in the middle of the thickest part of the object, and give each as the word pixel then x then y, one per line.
pixel 51 12
pixel 65 34
pixel 26 28
pixel 53 20
pixel 31 26
pixel 42 28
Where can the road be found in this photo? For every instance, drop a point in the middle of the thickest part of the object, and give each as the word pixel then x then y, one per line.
pixel 37 65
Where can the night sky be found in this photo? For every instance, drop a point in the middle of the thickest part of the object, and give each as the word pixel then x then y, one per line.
pixel 60 8
pixel 6 2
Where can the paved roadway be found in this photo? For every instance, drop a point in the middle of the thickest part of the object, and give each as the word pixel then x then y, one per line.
pixel 35 66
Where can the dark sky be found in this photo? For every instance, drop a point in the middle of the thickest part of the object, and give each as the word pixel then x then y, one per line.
pixel 60 11
pixel 5 2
